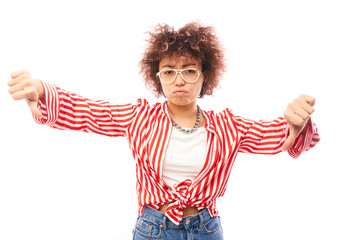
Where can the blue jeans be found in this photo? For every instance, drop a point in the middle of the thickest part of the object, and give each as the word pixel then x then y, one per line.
pixel 155 225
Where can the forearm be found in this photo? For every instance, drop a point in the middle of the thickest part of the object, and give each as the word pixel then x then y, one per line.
pixel 39 88
pixel 262 137
pixel 69 111
pixel 268 137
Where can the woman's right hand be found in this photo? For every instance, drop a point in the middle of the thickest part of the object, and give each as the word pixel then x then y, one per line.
pixel 22 86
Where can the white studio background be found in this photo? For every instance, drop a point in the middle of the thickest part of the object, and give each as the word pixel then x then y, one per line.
pixel 73 185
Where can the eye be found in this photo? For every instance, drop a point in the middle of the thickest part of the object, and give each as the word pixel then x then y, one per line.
pixel 168 72
pixel 190 71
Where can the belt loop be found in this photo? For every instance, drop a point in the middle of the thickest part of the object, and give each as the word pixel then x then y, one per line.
pixel 201 224
pixel 164 222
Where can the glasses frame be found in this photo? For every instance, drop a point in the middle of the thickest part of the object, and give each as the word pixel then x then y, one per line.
pixel 179 71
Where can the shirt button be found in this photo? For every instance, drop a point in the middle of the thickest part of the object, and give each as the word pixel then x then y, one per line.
pixel 187 222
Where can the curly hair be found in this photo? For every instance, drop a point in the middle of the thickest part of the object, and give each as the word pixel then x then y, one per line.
pixel 199 41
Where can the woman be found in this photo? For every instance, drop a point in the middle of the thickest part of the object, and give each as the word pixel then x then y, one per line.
pixel 183 154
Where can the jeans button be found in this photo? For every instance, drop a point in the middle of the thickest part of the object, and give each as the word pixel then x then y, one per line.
pixel 187 222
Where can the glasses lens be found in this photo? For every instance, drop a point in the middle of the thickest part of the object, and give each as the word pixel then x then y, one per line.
pixel 190 75
pixel 167 75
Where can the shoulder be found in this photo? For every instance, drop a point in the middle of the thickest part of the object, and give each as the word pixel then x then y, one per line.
pixel 221 118
pixel 226 113
pixel 226 116
pixel 144 105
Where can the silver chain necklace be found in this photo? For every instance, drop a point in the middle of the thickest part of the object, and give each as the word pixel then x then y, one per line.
pixel 188 131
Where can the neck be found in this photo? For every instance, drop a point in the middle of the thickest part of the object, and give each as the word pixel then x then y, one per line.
pixel 185 116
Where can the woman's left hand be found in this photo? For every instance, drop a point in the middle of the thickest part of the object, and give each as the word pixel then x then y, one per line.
pixel 297 115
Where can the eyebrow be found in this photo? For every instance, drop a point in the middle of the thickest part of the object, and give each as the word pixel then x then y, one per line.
pixel 185 65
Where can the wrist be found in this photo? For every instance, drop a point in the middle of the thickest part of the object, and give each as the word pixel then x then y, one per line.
pixel 305 127
pixel 40 89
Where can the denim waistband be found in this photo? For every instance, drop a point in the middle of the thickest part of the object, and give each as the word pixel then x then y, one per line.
pixel 187 222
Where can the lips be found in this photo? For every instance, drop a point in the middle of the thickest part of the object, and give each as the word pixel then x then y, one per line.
pixel 180 92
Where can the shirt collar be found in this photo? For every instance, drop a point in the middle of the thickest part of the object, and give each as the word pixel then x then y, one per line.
pixel 166 110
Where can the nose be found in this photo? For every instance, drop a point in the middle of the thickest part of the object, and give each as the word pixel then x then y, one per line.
pixel 179 81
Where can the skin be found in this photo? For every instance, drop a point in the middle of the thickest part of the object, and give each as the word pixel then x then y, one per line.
pixel 23 86
pixel 182 96
pixel 182 101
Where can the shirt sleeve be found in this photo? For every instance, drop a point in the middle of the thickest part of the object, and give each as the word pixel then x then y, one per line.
pixel 68 111
pixel 268 136
pixel 306 140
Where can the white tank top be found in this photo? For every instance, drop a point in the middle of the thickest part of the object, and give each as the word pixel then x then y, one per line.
pixel 185 156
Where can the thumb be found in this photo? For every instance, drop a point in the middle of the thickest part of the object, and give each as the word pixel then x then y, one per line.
pixel 289 141
pixel 34 109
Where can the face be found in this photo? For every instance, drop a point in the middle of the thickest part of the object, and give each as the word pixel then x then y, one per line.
pixel 179 92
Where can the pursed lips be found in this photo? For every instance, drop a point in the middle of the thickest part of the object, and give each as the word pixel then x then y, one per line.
pixel 180 92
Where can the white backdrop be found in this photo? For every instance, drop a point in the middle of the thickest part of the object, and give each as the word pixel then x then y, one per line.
pixel 73 185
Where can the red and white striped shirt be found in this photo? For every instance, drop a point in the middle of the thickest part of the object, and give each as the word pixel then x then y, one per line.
pixel 148 130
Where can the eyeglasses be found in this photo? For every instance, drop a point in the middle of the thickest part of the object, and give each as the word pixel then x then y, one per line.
pixel 190 75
